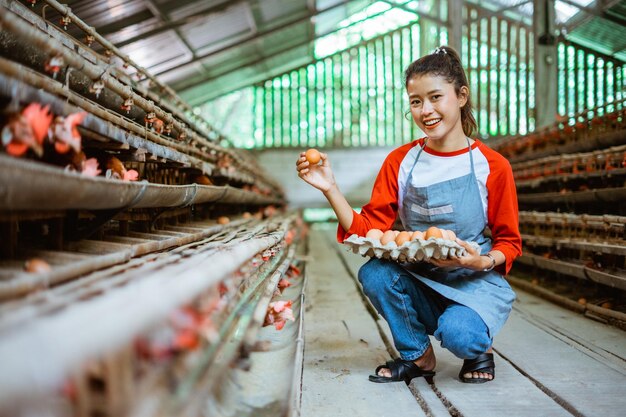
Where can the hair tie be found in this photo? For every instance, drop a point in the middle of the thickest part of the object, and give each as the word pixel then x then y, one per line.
pixel 439 50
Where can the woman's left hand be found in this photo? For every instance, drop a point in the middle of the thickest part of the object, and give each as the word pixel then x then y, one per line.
pixel 471 259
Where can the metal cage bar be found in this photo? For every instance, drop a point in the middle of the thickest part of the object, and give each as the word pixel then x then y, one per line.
pixel 355 97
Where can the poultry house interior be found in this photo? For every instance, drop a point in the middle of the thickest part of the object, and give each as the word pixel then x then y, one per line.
pixel 163 253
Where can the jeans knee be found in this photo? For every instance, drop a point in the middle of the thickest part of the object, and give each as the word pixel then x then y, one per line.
pixel 463 340
pixel 375 276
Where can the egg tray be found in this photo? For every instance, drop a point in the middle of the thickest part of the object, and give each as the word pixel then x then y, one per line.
pixel 412 251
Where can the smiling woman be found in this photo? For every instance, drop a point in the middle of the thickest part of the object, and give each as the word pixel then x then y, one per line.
pixel 444 180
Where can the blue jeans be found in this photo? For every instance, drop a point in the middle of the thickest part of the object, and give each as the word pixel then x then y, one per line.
pixel 414 311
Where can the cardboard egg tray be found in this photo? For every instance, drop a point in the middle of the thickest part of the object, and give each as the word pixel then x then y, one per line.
pixel 411 251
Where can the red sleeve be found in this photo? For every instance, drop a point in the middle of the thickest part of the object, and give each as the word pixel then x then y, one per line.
pixel 502 209
pixel 382 209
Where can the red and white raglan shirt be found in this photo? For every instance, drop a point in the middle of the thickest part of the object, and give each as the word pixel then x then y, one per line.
pixel 495 182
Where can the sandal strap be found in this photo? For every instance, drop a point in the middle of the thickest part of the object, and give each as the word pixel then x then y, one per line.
pixel 401 370
pixel 483 362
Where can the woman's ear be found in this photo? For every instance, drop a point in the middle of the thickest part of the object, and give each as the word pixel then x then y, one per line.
pixel 463 96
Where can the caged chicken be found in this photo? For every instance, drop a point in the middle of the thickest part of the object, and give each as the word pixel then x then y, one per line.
pixel 64 133
pixel 64 147
pixel 26 130
pixel 115 169
pixel 24 135
pixel 278 312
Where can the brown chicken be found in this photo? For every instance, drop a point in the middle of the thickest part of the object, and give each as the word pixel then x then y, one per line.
pixel 64 133
pixel 116 169
pixel 65 146
pixel 26 130
pixel 278 313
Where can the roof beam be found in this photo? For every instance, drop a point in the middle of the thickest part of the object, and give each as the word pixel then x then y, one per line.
pixel 193 84
pixel 513 6
pixel 418 13
pixel 198 97
pixel 520 18
pixel 619 48
pixel 587 49
pixel 256 36
pixel 175 24
pixel 121 24
pixel 154 8
pixel 173 5
pixel 598 11
pixel 254 15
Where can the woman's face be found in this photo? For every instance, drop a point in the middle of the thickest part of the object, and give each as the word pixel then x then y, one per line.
pixel 435 106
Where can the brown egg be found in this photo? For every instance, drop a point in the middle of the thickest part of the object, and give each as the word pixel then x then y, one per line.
pixel 444 234
pixel 313 156
pixel 374 234
pixel 246 215
pixel 417 235
pixel 223 220
pixel 388 236
pixel 534 281
pixel 396 232
pixel 582 301
pixel 451 235
pixel 607 304
pixel 433 232
pixel 36 266
pixel 402 238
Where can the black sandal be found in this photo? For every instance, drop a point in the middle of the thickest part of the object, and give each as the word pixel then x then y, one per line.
pixel 483 363
pixel 401 370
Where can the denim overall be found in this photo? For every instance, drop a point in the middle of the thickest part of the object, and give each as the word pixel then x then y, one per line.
pixel 475 304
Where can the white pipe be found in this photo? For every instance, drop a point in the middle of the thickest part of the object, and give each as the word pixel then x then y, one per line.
pixel 30 185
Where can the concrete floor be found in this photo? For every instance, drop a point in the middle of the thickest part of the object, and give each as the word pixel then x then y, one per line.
pixel 549 361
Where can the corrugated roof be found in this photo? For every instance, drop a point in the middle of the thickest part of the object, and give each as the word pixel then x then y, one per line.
pixel 151 54
pixel 205 48
pixel 272 11
pixel 205 34
pixel 598 25
pixel 603 30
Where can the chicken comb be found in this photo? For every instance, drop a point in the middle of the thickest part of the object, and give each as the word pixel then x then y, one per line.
pixel 39 119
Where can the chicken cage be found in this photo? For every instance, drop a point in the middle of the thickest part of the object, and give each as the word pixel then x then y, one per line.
pixel 145 263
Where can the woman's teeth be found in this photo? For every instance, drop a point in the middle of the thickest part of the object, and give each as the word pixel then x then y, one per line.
pixel 432 122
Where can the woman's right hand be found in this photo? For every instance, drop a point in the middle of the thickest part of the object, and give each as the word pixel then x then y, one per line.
pixel 319 176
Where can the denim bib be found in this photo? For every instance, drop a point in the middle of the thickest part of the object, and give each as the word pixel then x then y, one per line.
pixel 456 205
